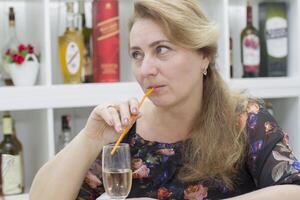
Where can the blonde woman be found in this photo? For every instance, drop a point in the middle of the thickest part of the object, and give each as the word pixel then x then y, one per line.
pixel 194 139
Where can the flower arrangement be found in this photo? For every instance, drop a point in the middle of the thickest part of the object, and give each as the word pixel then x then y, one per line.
pixel 18 55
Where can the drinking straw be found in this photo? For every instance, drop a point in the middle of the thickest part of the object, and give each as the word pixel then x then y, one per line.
pixel 132 119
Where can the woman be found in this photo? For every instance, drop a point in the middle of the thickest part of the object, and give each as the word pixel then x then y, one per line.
pixel 194 139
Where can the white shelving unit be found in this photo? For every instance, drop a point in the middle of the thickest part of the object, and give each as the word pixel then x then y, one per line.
pixel 38 109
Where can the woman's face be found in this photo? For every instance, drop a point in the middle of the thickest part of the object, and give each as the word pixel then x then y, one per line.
pixel 175 72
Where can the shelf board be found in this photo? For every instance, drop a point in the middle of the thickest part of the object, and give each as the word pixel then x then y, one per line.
pixel 85 95
pixel 275 87
pixel 17 197
pixel 65 96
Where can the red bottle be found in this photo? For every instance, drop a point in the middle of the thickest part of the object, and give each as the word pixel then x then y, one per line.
pixel 106 41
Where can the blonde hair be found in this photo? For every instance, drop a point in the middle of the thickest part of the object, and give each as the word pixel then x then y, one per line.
pixel 218 143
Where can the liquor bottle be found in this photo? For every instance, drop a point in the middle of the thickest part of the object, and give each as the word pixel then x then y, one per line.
pixel 66 135
pixel 106 41
pixel 87 55
pixel 273 26
pixel 230 57
pixel 12 161
pixel 71 49
pixel 12 43
pixel 250 47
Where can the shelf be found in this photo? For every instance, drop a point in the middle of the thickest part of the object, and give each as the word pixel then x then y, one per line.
pixel 280 87
pixel 65 96
pixel 17 197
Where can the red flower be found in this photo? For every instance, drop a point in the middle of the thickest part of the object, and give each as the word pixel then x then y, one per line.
pixel 21 47
pixel 163 193
pixel 30 49
pixel 18 59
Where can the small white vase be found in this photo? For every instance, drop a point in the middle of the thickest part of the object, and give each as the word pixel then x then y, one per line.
pixel 26 73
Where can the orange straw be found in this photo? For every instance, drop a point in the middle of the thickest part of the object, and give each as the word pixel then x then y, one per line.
pixel 132 119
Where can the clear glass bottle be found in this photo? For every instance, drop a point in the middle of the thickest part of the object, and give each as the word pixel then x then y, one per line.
pixel 11 43
pixel 66 135
pixel 12 160
pixel 71 49
pixel 250 47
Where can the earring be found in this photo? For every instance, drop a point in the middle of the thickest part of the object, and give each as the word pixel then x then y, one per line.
pixel 205 72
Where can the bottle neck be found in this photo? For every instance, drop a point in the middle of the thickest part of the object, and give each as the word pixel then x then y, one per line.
pixel 82 13
pixel 249 16
pixel 12 29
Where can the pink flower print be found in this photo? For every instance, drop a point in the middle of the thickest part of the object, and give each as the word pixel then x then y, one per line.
pixel 92 180
pixel 195 192
pixel 140 170
pixel 252 107
pixel 163 193
pixel 167 152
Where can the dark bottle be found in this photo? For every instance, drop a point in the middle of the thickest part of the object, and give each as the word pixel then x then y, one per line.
pixel 250 47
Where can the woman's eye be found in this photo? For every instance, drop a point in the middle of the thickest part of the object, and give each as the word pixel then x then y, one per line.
pixel 162 49
pixel 136 55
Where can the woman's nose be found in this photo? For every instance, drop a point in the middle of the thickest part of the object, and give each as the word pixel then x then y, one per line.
pixel 149 66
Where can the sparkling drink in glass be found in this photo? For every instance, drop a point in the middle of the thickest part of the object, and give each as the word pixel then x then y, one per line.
pixel 116 171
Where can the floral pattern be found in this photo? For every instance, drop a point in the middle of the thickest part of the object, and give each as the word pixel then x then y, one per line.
pixel 269 161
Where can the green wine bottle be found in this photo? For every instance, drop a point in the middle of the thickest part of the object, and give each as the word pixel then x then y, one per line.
pixel 12 159
pixel 250 47
pixel 274 36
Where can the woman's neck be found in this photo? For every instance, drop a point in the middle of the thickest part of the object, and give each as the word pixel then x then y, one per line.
pixel 169 124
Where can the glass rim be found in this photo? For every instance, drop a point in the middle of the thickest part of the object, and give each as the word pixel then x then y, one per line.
pixel 111 145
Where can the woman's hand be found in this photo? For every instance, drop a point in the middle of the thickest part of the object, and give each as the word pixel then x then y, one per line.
pixel 106 121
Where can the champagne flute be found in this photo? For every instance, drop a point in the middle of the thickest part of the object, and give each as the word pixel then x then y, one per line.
pixel 116 171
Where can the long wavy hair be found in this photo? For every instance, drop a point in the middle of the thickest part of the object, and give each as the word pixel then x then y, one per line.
pixel 217 144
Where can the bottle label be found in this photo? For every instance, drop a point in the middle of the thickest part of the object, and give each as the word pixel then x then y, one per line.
pixel 12 174
pixel 73 58
pixel 276 35
pixel 251 53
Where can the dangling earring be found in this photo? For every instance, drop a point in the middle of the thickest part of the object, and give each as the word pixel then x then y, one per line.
pixel 205 72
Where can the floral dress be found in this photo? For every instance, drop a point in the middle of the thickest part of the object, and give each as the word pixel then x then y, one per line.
pixel 270 161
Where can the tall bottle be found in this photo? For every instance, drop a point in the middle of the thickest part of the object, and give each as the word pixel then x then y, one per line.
pixel 250 47
pixel 106 41
pixel 12 43
pixel 71 49
pixel 12 161
pixel 66 134
pixel 273 26
pixel 87 55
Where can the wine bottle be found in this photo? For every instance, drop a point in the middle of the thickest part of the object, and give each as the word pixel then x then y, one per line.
pixel 12 43
pixel 12 161
pixel 66 135
pixel 87 55
pixel 273 26
pixel 106 41
pixel 71 49
pixel 250 47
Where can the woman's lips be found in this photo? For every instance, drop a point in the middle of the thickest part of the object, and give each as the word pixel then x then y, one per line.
pixel 155 86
